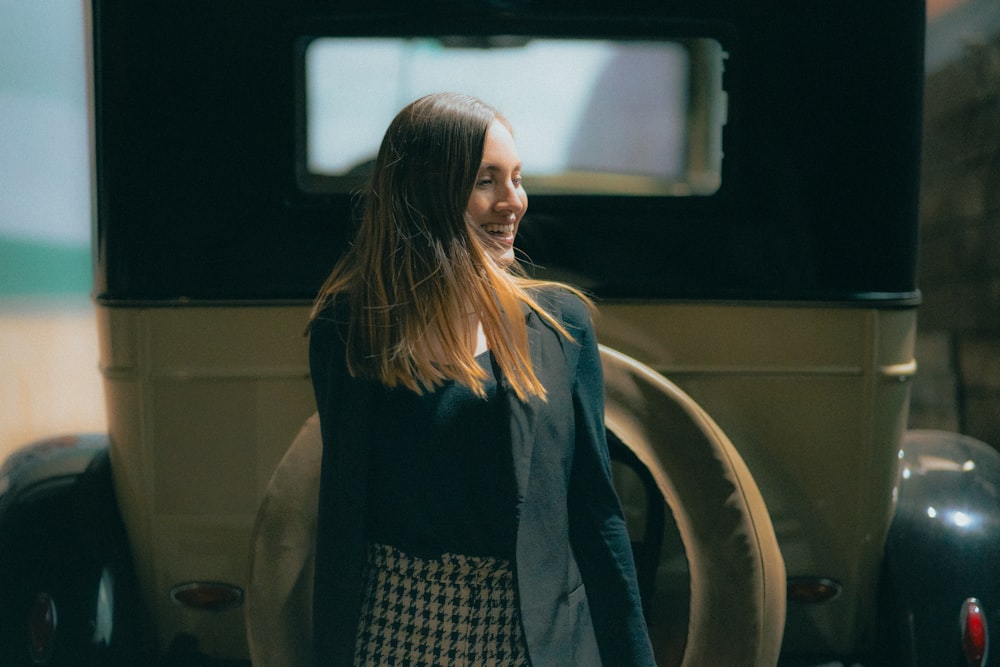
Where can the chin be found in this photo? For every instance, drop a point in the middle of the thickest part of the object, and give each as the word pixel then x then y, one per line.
pixel 504 258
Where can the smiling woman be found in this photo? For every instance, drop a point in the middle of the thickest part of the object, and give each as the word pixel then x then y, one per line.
pixel 475 446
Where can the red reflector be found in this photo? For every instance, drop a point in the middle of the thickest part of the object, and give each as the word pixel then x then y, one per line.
pixel 811 590
pixel 207 595
pixel 42 623
pixel 975 635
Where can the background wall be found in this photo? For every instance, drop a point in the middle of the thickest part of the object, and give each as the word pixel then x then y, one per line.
pixel 958 386
pixel 49 383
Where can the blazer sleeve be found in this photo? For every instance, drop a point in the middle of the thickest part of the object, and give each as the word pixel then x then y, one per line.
pixel 597 526
pixel 341 402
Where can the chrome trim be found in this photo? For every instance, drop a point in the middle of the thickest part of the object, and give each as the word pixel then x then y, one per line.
pixel 899 372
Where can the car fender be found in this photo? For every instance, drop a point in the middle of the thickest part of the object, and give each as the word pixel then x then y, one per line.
pixel 943 545
pixel 66 574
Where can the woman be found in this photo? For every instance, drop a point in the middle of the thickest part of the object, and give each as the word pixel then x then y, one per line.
pixel 467 514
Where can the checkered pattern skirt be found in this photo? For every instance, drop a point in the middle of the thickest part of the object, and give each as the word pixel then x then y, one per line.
pixel 452 611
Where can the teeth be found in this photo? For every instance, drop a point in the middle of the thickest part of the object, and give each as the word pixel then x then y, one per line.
pixel 503 230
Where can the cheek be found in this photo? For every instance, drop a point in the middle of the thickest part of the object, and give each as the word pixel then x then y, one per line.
pixel 477 207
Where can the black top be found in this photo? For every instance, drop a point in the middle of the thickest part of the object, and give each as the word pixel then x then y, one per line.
pixel 440 472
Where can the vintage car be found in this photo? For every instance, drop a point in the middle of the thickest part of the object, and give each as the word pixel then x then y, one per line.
pixel 735 183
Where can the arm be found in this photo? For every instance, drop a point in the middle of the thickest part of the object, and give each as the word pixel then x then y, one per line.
pixel 341 402
pixel 324 370
pixel 597 526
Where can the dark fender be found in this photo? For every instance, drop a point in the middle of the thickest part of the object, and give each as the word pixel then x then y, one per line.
pixel 64 555
pixel 943 547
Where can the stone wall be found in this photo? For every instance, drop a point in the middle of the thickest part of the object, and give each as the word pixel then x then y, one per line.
pixel 958 387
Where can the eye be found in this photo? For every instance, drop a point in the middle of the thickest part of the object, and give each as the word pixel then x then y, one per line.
pixel 484 182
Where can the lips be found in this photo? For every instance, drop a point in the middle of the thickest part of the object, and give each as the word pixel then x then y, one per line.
pixel 501 231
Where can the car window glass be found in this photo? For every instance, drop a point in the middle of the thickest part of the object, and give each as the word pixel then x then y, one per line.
pixel 621 117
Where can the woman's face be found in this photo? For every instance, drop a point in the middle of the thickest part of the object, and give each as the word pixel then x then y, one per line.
pixel 498 200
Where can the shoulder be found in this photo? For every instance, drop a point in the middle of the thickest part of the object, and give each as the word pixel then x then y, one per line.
pixel 564 305
pixel 331 315
pixel 328 332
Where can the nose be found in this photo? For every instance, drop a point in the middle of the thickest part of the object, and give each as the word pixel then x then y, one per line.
pixel 511 199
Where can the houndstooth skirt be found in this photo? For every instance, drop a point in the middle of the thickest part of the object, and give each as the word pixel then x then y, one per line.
pixel 453 611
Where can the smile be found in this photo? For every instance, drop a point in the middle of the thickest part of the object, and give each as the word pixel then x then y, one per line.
pixel 501 230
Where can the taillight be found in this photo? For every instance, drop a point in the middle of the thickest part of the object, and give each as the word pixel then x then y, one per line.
pixel 42 623
pixel 811 590
pixel 207 595
pixel 975 634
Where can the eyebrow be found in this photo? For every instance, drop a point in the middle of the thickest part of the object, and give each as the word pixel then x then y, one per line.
pixel 492 167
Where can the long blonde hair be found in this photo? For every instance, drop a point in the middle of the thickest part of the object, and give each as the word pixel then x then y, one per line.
pixel 418 268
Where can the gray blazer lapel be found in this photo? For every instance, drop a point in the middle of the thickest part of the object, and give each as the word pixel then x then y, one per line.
pixel 522 414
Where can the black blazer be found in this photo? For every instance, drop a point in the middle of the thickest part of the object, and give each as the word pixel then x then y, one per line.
pixel 577 589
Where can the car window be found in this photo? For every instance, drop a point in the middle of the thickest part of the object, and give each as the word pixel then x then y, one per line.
pixel 625 117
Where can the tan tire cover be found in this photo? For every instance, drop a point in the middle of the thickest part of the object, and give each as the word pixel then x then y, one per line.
pixel 737 613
